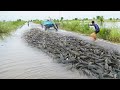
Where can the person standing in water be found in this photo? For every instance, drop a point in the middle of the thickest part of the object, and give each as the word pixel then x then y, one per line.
pixel 28 23
pixel 97 30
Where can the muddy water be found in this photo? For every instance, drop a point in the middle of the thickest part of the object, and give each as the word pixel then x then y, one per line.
pixel 20 61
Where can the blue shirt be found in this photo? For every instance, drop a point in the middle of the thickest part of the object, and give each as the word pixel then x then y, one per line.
pixel 96 27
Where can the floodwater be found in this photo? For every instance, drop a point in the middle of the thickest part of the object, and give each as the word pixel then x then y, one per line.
pixel 18 60
pixel 111 24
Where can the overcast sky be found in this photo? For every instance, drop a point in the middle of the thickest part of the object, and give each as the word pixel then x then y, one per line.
pixel 28 15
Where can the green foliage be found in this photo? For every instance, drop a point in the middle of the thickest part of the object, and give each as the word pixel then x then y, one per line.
pixel 111 34
pixel 9 26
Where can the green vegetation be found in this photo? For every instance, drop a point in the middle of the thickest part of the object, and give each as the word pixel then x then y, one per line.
pixel 6 27
pixel 76 26
pixel 82 26
pixel 114 35
pixel 37 21
pixel 110 34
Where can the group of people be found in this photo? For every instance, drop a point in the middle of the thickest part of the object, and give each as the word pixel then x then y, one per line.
pixel 94 34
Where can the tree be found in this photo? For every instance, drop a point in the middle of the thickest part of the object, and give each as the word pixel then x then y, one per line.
pixel 76 18
pixel 97 17
pixel 85 18
pixel 19 20
pixel 110 18
pixel 117 18
pixel 62 18
pixel 101 18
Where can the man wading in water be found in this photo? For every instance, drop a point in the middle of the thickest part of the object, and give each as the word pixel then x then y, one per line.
pixel 97 30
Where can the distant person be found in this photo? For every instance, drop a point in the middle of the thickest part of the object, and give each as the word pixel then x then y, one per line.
pixel 97 30
pixel 28 23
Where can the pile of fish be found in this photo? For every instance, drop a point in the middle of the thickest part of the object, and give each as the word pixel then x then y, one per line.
pixel 91 59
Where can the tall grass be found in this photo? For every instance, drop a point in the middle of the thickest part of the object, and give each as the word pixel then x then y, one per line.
pixel 104 33
pixel 7 27
pixel 110 34
pixel 37 21
pixel 76 26
pixel 114 35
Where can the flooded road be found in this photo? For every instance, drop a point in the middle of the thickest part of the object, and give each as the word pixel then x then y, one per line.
pixel 20 61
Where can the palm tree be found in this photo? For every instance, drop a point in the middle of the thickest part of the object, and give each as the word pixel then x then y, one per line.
pixel 101 20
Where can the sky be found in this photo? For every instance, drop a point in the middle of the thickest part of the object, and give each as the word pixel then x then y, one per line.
pixel 28 15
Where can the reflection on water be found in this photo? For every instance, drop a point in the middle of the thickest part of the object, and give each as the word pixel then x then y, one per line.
pixel 18 60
